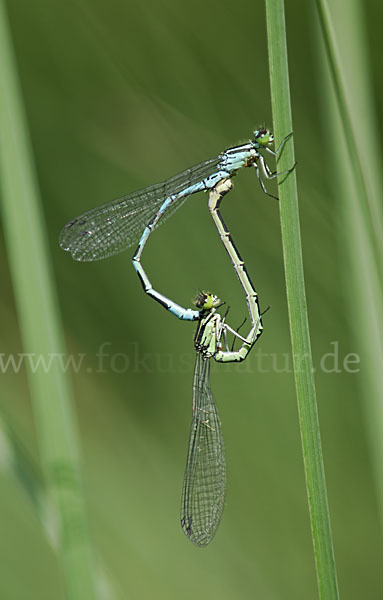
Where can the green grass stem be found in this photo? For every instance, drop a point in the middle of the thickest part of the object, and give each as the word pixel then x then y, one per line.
pixel 357 139
pixel 296 298
pixel 350 113
pixel 34 291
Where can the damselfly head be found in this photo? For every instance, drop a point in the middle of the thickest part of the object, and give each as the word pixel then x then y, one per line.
pixel 263 137
pixel 206 301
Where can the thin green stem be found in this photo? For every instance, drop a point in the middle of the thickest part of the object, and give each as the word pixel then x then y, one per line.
pixel 41 330
pixel 296 299
pixel 357 186
pixel 373 214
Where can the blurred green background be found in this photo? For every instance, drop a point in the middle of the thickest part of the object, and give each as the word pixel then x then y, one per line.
pixel 118 96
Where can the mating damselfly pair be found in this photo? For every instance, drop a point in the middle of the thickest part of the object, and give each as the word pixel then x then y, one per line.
pixel 113 227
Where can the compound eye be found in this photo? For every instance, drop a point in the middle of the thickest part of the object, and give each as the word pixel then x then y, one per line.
pixel 206 301
pixel 209 302
pixel 203 301
pixel 265 138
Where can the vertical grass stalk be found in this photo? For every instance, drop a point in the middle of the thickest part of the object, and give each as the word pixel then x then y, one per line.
pixel 41 330
pixel 296 299
pixel 358 143
pixel 349 112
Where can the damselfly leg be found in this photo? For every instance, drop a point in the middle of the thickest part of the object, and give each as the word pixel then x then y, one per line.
pixel 266 171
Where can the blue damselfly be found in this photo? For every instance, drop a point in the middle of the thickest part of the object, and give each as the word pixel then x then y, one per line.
pixel 204 484
pixel 113 227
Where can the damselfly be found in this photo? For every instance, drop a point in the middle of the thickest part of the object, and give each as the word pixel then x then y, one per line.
pixel 205 474
pixel 113 227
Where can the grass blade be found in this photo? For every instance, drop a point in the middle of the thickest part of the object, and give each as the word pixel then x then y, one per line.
pixel 296 298
pixel 365 180
pixel 40 329
pixel 358 187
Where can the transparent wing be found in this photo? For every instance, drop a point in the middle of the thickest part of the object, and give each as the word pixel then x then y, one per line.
pixel 113 227
pixel 205 474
